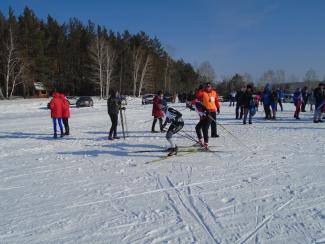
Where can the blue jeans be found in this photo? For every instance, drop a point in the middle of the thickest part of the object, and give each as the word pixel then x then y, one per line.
pixel 60 124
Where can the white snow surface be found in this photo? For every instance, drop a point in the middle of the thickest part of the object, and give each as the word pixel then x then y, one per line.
pixel 85 189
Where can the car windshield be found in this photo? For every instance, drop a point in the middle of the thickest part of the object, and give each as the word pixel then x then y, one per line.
pixel 84 98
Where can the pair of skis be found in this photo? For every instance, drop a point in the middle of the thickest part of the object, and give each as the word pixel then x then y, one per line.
pixel 183 151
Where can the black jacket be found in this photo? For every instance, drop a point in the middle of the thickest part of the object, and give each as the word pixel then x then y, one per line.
pixel 239 98
pixel 247 99
pixel 113 105
pixel 319 95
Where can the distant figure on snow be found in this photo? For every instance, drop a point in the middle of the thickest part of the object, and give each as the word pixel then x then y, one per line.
pixel 56 105
pixel 113 108
pixel 319 95
pixel 157 112
pixel 249 105
pixel 297 100
pixel 65 114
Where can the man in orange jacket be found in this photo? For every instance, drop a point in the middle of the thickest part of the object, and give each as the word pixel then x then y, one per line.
pixel 210 100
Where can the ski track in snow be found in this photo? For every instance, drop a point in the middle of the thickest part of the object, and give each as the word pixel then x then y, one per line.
pixel 84 189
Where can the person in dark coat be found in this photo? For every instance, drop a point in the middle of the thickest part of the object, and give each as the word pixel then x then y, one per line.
pixel 305 96
pixel 248 104
pixel 65 114
pixel 267 101
pixel 319 95
pixel 157 112
pixel 113 108
pixel 297 100
pixel 279 97
pixel 239 103
pixel 273 103
pixel 56 113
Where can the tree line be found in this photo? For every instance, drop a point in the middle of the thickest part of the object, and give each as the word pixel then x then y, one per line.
pixel 84 59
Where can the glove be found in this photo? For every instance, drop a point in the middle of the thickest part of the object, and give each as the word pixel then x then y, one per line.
pixel 218 110
pixel 123 108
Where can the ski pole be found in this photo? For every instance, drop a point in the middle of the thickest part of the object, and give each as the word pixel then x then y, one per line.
pixel 126 124
pixel 187 136
pixel 190 136
pixel 239 141
pixel 320 106
pixel 122 123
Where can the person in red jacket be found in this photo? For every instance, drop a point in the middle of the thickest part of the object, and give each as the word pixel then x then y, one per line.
pixel 65 114
pixel 157 112
pixel 56 112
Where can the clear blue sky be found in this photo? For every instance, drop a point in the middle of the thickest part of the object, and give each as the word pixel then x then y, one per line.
pixel 234 36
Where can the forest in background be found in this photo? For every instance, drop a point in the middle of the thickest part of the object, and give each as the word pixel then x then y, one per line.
pixel 84 59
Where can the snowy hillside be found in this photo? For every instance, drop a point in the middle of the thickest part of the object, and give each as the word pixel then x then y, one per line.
pixel 84 189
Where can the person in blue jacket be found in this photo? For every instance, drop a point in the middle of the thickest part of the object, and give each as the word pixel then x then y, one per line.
pixel 267 101
pixel 297 100
pixel 279 96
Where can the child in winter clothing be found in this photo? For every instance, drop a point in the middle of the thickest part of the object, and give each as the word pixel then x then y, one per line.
pixel 177 123
pixel 56 113
pixel 297 99
pixel 65 114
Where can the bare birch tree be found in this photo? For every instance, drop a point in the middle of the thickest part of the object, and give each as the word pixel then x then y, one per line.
pixel 166 71
pixel 1 94
pixel 14 67
pixel 109 65
pixel 98 55
pixel 137 59
pixel 143 73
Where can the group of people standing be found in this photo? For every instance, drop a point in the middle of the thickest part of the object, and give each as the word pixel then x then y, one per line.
pixel 271 98
pixel 246 104
pixel 205 102
pixel 60 112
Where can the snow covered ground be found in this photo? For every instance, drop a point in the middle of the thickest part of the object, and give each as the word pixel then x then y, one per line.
pixel 85 189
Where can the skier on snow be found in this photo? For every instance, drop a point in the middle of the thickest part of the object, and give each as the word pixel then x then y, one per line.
pixel 175 118
pixel 204 122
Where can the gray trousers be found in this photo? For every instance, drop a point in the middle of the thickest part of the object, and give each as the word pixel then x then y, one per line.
pixel 247 112
pixel 317 114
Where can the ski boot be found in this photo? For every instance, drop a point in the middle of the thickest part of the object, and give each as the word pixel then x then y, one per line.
pixel 173 152
pixel 205 147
